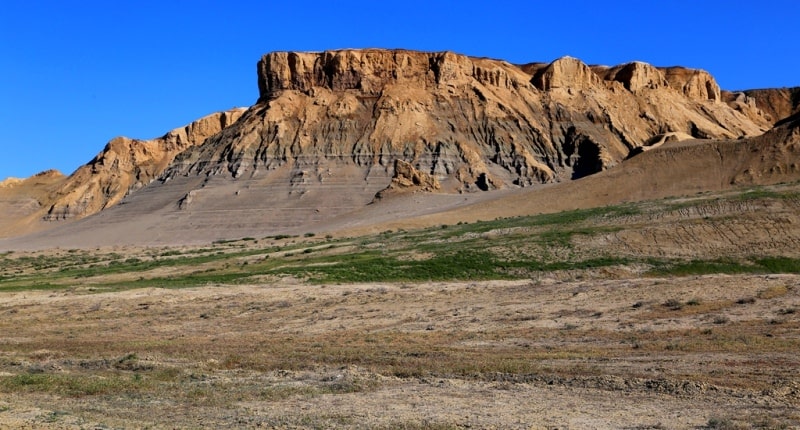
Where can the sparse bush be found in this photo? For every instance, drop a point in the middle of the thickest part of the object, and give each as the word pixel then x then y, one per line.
pixel 715 423
pixel 721 319
pixel 673 304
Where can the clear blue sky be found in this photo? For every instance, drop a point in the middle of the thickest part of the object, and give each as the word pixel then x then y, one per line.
pixel 74 74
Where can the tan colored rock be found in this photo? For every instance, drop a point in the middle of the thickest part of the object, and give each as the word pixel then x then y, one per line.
pixel 330 128
pixel 22 201
pixel 637 76
pixel 10 182
pixel 567 73
pixel 409 179
pixel 476 123
pixel 693 83
pixel 770 105
pixel 126 165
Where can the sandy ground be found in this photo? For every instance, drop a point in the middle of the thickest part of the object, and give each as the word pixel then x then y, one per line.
pixel 544 353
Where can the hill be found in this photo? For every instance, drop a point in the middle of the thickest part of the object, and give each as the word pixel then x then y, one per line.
pixel 426 132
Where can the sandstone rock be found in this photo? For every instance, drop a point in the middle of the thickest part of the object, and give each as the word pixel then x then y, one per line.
pixel 125 165
pixel 695 84
pixel 568 73
pixel 770 105
pixel 474 123
pixel 637 76
pixel 186 201
pixel 408 179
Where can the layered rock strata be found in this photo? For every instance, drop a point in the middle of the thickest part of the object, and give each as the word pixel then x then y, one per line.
pixel 471 123
pixel 126 165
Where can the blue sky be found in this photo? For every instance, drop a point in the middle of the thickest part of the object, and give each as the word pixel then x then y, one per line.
pixel 74 74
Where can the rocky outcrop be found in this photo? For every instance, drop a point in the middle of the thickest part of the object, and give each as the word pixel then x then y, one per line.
pixel 407 179
pixel 125 165
pixel 331 129
pixel 770 105
pixel 369 71
pixel 635 76
pixel 693 83
pixel 566 73
pixel 471 123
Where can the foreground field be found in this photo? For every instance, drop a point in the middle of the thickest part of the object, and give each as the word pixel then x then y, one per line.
pixel 636 353
pixel 669 314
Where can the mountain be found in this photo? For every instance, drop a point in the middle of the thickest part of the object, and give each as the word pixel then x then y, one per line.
pixel 336 134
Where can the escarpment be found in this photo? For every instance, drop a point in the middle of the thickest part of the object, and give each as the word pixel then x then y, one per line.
pixel 471 123
pixel 694 84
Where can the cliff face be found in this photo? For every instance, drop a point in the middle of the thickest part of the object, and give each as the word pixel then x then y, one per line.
pixel 125 165
pixel 472 123
pixel 694 84
pixel 771 104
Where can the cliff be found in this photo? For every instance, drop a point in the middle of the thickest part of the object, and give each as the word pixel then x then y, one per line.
pixel 472 123
pixel 771 104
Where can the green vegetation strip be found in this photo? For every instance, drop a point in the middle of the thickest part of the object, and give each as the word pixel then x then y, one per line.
pixel 504 248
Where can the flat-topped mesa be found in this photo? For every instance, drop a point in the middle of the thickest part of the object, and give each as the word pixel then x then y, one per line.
pixel 364 70
pixel 457 117
pixel 370 70
pixel 695 84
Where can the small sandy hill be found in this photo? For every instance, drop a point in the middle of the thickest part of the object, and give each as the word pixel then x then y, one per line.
pixel 21 201
pixel 10 182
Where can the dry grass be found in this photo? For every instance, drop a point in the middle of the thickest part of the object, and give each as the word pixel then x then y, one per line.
pixel 463 326
pixel 210 352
